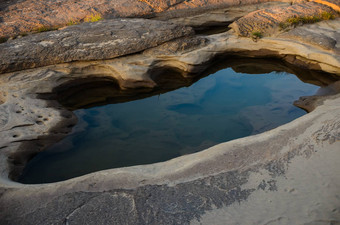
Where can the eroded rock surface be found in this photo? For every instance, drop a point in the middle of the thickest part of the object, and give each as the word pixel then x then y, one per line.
pixel 267 21
pixel 327 37
pixel 219 17
pixel 89 41
pixel 112 38
pixel 285 176
pixel 322 36
pixel 31 120
pixel 268 171
pixel 18 17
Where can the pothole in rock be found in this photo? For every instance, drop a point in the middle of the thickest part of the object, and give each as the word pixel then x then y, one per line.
pixel 116 128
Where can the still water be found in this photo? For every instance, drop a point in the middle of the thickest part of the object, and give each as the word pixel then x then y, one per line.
pixel 218 108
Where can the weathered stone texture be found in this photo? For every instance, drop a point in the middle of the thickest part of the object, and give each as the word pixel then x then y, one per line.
pixel 288 175
pixel 320 34
pixel 89 41
pixel 20 16
pixel 261 172
pixel 267 21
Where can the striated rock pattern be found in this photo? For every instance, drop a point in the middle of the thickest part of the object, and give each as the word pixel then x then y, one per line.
pixel 326 37
pixel 218 17
pixel 267 21
pixel 89 41
pixel 20 16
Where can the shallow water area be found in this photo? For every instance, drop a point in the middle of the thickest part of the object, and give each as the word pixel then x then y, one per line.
pixel 218 108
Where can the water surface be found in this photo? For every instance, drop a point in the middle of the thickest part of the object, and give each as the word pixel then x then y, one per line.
pixel 218 108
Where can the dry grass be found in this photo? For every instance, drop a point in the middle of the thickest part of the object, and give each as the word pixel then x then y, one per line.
pixel 92 18
pixel 88 19
pixel 295 21
pixel 44 29
pixel 71 23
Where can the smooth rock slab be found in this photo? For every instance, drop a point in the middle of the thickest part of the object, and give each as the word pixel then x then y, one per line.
pixel 320 34
pixel 89 41
pixel 284 176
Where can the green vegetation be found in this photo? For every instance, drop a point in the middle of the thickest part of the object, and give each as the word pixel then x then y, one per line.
pixel 327 16
pixel 256 35
pixel 303 20
pixel 93 18
pixel 295 21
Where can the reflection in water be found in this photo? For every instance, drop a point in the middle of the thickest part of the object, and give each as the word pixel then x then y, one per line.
pixel 218 108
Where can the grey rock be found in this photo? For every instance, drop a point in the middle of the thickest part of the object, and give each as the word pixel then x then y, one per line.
pixel 89 41
pixel 182 45
pixel 29 124
pixel 219 17
pixel 326 36
pixel 116 208
pixel 22 16
pixel 257 172
pixel 280 176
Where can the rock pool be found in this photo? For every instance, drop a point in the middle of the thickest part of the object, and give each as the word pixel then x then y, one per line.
pixel 218 108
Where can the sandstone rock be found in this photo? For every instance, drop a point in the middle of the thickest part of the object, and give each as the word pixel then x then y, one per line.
pixel 334 4
pixel 267 21
pixel 292 166
pixel 327 37
pixel 24 109
pixel 182 45
pixel 21 16
pixel 219 17
pixel 310 103
pixel 89 41
pixel 285 166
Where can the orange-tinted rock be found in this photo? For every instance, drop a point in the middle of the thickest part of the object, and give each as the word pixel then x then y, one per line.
pixel 267 21
pixel 334 4
pixel 18 17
